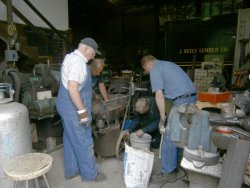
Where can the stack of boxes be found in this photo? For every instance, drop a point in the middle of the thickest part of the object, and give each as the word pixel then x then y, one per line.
pixel 200 80
pixel 205 75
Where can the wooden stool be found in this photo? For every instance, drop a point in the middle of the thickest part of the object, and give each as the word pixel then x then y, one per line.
pixel 28 166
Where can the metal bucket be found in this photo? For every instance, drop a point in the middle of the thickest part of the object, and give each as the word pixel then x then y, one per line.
pixel 51 143
pixel 142 143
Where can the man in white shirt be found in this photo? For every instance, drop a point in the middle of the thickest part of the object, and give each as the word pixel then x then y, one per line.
pixel 73 104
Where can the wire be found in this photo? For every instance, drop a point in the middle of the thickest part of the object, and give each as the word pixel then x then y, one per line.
pixel 57 122
pixel 185 174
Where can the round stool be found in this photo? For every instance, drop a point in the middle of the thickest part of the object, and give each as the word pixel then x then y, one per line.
pixel 28 166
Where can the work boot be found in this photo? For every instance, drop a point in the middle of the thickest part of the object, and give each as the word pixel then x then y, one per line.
pixel 162 178
pixel 99 178
pixel 71 177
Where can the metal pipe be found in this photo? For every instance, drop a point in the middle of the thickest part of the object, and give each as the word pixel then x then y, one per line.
pixel 9 12
pixel 16 83
pixel 126 112
pixel 3 65
pixel 162 135
pixel 239 132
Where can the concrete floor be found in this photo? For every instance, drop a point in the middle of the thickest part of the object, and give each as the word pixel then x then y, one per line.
pixel 112 167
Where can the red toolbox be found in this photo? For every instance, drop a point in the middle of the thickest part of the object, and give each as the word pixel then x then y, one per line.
pixel 214 97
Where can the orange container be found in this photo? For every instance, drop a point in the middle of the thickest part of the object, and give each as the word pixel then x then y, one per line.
pixel 214 97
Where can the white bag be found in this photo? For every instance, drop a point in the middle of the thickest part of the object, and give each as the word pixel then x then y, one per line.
pixel 138 166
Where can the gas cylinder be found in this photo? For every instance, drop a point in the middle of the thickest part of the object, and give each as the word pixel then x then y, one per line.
pixel 15 130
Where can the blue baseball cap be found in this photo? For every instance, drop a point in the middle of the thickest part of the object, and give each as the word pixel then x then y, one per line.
pixel 91 43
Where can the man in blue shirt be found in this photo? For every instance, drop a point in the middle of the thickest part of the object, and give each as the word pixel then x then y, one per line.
pixel 168 81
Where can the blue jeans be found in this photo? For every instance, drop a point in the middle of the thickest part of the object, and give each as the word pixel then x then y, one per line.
pixel 78 150
pixel 170 154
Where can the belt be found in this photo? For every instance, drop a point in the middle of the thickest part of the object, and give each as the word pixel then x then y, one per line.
pixel 184 96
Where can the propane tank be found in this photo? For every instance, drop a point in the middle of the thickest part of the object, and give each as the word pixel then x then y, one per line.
pixel 15 130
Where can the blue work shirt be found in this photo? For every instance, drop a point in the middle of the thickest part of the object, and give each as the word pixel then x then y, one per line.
pixel 170 78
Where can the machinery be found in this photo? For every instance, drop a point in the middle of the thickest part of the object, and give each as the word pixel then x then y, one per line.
pixel 109 117
pixel 37 91
pixel 204 143
pixel 242 51
pixel 189 128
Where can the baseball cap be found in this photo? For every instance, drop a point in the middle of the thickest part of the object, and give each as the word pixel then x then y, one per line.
pixel 91 43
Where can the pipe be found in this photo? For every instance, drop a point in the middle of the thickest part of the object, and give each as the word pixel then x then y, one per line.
pixel 9 12
pixel 126 112
pixel 2 67
pixel 16 84
pixel 162 135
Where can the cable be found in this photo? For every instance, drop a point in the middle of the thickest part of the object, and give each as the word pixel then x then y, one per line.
pixel 57 122
pixel 185 174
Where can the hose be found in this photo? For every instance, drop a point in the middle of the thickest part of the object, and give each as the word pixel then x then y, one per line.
pixel 162 135
pixel 126 112
pixel 2 67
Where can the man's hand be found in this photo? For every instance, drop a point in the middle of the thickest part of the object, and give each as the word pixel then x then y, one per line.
pixel 162 127
pixel 83 115
pixel 126 135
pixel 139 133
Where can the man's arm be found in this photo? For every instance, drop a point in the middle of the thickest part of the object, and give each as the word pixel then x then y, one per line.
pixel 103 91
pixel 160 101
pixel 151 127
pixel 135 122
pixel 74 93
pixel 76 98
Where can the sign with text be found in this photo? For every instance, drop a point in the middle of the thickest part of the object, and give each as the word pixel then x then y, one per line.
pixel 186 38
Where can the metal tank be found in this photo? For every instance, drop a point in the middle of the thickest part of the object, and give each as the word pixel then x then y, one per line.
pixel 15 130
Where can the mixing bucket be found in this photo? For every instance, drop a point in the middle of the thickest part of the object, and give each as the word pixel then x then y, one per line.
pixel 142 143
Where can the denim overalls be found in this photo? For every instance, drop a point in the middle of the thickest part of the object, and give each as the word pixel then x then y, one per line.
pixel 77 138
